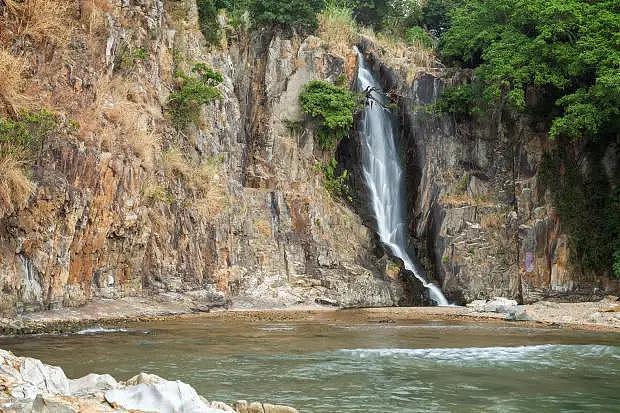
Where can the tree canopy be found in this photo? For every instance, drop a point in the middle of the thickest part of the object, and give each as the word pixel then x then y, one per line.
pixel 567 52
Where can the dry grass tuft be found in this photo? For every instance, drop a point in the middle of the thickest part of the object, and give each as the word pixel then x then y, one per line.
pixel 118 119
pixel 93 14
pixel 205 180
pixel 338 29
pixel 493 220
pixel 263 227
pixel 15 186
pixel 175 164
pixel 408 58
pixel 156 192
pixel 44 21
pixel 210 184
pixel 462 200
pixel 145 145
pixel 11 82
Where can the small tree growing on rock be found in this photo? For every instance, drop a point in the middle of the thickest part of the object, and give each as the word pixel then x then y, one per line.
pixel 333 106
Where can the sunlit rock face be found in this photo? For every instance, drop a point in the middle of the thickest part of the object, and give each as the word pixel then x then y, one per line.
pixel 109 219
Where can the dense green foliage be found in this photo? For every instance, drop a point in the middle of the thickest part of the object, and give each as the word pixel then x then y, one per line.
pixel 333 106
pixel 237 12
pixel 24 136
pixel 335 183
pixel 462 101
pixel 399 16
pixel 567 52
pixel 207 18
pixel 285 14
pixel 299 14
pixel 193 92
pixel 404 18
pixel 416 35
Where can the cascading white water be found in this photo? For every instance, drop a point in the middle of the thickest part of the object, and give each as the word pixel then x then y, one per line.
pixel 384 176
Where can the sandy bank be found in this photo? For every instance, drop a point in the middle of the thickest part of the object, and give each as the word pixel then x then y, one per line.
pixel 602 315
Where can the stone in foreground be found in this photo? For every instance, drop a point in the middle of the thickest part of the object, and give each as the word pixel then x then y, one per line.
pixel 28 385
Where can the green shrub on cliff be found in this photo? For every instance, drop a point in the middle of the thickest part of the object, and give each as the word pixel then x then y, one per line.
pixel 21 140
pixel 25 135
pixel 461 101
pixel 285 14
pixel 335 183
pixel 333 106
pixel 193 92
pixel 417 36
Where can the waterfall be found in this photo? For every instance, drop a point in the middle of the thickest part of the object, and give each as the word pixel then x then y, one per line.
pixel 384 176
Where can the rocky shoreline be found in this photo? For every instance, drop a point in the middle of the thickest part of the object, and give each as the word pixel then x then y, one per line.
pixel 598 315
pixel 28 385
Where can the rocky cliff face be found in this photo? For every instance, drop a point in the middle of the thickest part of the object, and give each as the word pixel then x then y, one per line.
pixel 483 225
pixel 231 208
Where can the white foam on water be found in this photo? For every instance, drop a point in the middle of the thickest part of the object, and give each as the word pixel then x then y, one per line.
pixel 101 330
pixel 545 353
pixel 277 328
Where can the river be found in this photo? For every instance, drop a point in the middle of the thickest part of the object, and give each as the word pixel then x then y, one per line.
pixel 342 364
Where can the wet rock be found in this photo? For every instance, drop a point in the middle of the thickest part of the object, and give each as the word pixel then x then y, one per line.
pixel 326 301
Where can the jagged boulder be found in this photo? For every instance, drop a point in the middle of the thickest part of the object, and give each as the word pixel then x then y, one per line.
pixel 165 396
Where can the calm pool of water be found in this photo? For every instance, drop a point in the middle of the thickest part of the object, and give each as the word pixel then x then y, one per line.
pixel 342 365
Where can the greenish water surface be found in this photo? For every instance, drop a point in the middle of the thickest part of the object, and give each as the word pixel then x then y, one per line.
pixel 344 365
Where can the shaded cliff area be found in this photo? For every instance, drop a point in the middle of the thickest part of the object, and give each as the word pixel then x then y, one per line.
pixel 484 222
